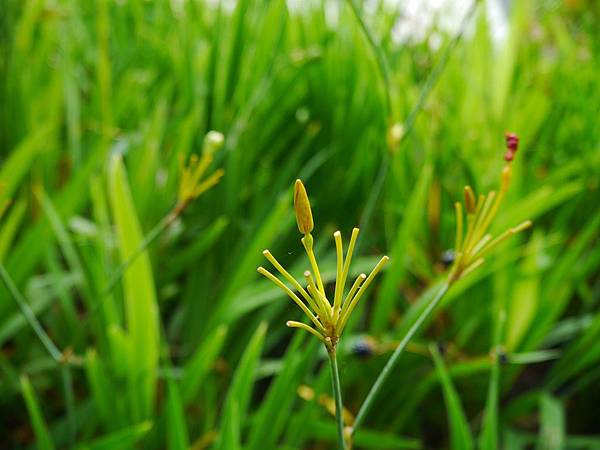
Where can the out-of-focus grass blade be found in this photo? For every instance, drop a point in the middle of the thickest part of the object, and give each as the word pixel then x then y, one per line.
pixel 139 292
pixel 62 235
pixel 397 266
pixel 177 433
pixel 10 226
pixel 122 439
pixel 44 441
pixel 552 424
pixel 238 396
pixel 200 245
pixel 556 289
pixel 523 303
pixel 460 433
pixel 201 362
pixel 488 438
pixel 367 439
pixel 18 164
pixel 269 422
pixel 101 389
pixel 251 256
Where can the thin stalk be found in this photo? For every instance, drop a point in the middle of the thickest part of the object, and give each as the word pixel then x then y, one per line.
pixel 385 373
pixel 50 347
pixel 30 317
pixel 337 394
pixel 70 404
pixel 156 231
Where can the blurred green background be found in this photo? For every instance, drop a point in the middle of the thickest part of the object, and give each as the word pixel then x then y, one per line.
pixel 385 118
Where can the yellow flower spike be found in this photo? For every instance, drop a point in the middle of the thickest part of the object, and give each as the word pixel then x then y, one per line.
pixel 191 182
pixel 328 317
pixel 477 242
pixel 302 207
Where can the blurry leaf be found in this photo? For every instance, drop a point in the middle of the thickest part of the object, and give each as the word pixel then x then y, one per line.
pixel 460 433
pixel 269 421
pixel 122 439
pixel 44 441
pixel 238 396
pixel 177 434
pixel 415 212
pixel 552 421
pixel 139 292
pixel 364 439
pixel 201 362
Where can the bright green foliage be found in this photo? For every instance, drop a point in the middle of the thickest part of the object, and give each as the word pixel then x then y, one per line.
pixel 100 100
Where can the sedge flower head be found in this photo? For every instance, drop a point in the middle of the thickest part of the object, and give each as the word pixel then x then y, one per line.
pixel 475 243
pixel 192 183
pixel 328 317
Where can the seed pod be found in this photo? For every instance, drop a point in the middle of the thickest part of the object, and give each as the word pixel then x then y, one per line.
pixel 512 141
pixel 302 207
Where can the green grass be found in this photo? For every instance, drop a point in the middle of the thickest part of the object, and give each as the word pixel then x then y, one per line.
pixel 190 349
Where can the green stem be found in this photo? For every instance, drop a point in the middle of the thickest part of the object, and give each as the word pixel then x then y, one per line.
pixel 158 229
pixel 30 316
pixel 337 394
pixel 385 373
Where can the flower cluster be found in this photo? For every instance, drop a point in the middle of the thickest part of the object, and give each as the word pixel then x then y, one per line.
pixel 476 243
pixel 191 184
pixel 328 318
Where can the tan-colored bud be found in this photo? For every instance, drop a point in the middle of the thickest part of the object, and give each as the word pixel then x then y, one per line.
pixel 302 207
pixel 213 141
pixel 470 202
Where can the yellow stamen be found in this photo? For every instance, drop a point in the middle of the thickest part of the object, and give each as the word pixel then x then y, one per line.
pixel 209 182
pixel 267 254
pixel 307 242
pixel 357 283
pixel 339 282
pixel 324 307
pixel 293 296
pixel 360 292
pixel 294 324
pixel 459 227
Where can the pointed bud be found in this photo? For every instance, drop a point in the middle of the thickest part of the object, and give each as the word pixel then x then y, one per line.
pixel 302 206
pixel 470 202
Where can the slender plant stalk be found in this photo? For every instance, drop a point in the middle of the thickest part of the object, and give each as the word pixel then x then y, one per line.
pixel 30 317
pixel 337 394
pixel 154 233
pixel 50 347
pixel 385 373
